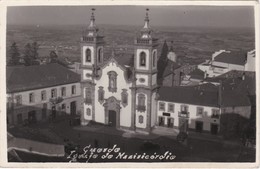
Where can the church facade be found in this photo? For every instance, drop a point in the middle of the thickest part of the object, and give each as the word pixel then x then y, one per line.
pixel 116 94
pixel 128 97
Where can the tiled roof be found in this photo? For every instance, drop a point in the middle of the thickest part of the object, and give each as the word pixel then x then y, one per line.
pixel 169 66
pixel 38 76
pixel 232 80
pixel 190 95
pixel 125 60
pixel 237 58
pixel 197 74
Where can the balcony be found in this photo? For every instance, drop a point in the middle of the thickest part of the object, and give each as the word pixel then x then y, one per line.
pixel 141 108
pixel 184 114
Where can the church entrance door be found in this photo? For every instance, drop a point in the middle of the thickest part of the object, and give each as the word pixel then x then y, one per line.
pixel 112 112
pixel 112 118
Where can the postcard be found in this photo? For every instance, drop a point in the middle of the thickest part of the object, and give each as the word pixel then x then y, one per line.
pixel 160 84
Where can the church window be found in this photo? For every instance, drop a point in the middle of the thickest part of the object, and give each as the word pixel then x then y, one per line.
pixel 124 96
pixel 100 55
pixel 88 111
pixel 141 103
pixel 154 59
pixel 112 77
pixel 88 99
pixel 141 119
pixel 142 59
pixel 101 95
pixel 88 55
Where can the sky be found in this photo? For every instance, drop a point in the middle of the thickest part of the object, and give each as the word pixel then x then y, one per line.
pixel 175 16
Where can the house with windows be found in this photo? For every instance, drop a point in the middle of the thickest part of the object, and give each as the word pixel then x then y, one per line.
pixel 190 108
pixel 41 92
pixel 224 61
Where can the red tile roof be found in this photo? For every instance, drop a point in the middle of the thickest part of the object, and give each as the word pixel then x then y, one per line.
pixel 38 76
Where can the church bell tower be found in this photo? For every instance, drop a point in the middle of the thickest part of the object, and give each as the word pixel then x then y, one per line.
pixel 145 64
pixel 92 47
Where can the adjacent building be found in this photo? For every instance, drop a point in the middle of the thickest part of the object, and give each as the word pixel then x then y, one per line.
pixel 193 108
pixel 224 61
pixel 41 92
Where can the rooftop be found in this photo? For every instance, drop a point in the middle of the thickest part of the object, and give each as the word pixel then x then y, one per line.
pixel 195 96
pixel 169 67
pixel 232 80
pixel 24 78
pixel 234 57
pixel 197 74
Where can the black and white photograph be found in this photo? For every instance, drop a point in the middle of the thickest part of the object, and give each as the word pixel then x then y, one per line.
pixel 130 84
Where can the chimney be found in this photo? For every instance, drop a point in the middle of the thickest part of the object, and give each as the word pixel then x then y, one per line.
pixel 220 93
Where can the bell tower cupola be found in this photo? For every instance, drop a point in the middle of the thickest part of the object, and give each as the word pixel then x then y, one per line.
pixel 92 28
pixel 146 31
pixel 92 47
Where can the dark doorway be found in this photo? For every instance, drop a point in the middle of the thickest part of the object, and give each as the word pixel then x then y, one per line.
pixel 199 126
pixel 53 112
pixel 73 108
pixel 170 122
pixel 161 121
pixel 31 117
pixel 19 118
pixel 112 118
pixel 44 111
pixel 214 129
pixel 183 124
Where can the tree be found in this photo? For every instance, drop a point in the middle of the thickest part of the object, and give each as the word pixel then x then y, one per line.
pixel 35 48
pixel 162 62
pixel 28 59
pixel 164 52
pixel 53 57
pixel 31 54
pixel 14 55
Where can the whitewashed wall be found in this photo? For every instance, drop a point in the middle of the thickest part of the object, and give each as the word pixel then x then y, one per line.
pixel 125 112
pixel 37 94
pixel 206 118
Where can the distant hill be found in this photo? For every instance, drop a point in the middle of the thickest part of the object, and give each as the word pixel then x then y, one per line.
pixel 192 45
